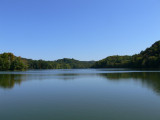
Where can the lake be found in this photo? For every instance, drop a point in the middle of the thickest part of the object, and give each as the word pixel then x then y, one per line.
pixel 80 94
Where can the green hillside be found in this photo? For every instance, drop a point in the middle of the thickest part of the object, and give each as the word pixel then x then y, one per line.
pixel 113 62
pixel 149 58
pixel 8 61
pixel 64 63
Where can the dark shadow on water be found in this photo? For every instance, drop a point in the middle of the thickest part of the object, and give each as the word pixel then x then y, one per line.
pixel 148 79
pixel 8 81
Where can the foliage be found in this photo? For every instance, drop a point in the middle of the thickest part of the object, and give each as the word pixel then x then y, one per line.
pixel 65 63
pixel 10 62
pixel 150 58
pixel 113 62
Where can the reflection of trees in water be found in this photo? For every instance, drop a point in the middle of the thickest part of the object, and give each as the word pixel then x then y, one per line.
pixel 67 76
pixel 149 79
pixel 9 80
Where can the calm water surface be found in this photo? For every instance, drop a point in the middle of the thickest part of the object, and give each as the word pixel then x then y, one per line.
pixel 86 94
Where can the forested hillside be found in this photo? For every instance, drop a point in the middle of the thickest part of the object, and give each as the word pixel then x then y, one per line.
pixel 150 58
pixel 113 62
pixel 64 63
pixel 10 62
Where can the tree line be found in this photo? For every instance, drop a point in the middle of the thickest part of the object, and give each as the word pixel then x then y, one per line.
pixel 64 63
pixel 8 61
pixel 149 58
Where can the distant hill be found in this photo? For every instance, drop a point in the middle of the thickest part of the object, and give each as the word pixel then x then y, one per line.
pixel 113 62
pixel 9 61
pixel 65 63
pixel 149 58
pixel 72 63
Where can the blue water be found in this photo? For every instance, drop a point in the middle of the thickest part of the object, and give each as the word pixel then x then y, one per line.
pixel 80 94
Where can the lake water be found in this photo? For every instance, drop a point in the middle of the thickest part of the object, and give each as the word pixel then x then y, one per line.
pixel 85 94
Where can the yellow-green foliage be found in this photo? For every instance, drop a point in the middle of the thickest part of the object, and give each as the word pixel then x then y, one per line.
pixel 10 62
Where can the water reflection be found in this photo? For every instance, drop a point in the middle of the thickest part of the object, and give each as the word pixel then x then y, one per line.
pixel 8 81
pixel 149 79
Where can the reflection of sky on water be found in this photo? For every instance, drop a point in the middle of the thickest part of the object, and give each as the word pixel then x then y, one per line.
pixel 79 94
pixel 148 79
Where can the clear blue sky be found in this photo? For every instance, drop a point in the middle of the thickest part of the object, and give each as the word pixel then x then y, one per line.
pixel 80 29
